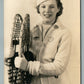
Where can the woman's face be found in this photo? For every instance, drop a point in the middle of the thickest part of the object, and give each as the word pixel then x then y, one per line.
pixel 48 10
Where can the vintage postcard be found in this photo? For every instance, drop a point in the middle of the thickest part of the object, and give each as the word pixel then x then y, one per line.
pixel 42 42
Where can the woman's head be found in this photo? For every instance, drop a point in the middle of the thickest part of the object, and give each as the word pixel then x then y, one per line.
pixel 49 9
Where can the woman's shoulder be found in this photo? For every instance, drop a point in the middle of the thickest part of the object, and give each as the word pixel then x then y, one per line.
pixel 62 30
pixel 62 27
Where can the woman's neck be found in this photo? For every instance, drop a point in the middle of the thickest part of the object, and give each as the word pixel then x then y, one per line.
pixel 48 22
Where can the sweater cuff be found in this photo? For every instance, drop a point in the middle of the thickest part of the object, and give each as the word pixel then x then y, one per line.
pixel 33 67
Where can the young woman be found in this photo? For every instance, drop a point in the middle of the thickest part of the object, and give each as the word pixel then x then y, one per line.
pixel 50 43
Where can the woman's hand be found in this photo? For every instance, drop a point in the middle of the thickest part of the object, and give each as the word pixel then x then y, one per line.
pixel 21 63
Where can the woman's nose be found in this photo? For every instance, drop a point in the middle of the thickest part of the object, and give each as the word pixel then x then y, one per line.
pixel 47 9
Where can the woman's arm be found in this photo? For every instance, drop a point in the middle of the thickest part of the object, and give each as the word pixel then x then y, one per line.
pixel 60 62
pixel 57 66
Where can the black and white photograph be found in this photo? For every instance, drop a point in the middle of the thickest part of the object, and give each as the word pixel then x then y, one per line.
pixel 42 42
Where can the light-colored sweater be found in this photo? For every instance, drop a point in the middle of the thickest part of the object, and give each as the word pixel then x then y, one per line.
pixel 52 55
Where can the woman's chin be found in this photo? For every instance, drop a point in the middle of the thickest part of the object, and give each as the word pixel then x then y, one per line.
pixel 47 21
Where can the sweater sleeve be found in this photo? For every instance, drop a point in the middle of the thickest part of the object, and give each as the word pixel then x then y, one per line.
pixel 61 58
pixel 60 62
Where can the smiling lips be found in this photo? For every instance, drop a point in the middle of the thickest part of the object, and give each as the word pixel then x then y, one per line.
pixel 47 15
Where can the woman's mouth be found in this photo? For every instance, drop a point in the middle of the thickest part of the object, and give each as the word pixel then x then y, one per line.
pixel 48 15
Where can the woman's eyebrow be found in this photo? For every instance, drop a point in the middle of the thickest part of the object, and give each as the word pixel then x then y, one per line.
pixel 49 4
pixel 52 4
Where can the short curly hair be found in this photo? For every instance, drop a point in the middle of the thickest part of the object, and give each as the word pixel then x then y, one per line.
pixel 59 5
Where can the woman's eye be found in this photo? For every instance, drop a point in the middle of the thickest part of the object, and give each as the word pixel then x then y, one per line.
pixel 51 6
pixel 43 6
